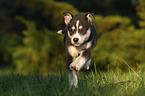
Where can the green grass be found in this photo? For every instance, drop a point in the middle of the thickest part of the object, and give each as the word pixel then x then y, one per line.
pixel 92 84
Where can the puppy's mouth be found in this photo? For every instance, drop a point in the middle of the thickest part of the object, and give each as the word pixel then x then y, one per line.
pixel 77 44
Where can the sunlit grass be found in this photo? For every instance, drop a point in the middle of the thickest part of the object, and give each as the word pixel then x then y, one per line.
pixel 91 84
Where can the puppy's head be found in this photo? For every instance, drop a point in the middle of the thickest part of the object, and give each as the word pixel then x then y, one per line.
pixel 78 27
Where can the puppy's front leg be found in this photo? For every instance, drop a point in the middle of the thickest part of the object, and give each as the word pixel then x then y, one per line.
pixel 80 60
pixel 73 80
pixel 72 75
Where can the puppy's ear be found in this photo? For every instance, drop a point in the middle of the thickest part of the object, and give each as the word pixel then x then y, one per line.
pixel 62 31
pixel 59 32
pixel 67 17
pixel 89 15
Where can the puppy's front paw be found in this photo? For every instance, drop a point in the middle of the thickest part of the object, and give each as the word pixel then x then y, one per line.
pixel 73 66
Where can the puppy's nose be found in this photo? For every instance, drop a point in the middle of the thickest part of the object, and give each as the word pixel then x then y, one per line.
pixel 76 39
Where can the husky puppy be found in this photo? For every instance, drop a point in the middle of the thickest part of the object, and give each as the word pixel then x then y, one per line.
pixel 80 37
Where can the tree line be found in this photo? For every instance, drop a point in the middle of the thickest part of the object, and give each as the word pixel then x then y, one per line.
pixel 29 41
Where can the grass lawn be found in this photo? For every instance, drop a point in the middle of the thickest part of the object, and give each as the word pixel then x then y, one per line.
pixel 90 84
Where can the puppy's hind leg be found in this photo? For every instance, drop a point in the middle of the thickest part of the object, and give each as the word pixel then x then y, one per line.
pixel 73 80
pixel 87 65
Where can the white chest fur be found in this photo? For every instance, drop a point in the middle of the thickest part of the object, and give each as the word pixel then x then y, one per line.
pixel 77 51
pixel 74 52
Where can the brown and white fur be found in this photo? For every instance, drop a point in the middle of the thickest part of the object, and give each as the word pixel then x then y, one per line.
pixel 80 38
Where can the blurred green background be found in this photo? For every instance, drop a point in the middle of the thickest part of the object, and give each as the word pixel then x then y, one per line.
pixel 29 42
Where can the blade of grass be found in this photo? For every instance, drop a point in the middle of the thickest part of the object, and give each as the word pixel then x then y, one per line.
pixel 132 69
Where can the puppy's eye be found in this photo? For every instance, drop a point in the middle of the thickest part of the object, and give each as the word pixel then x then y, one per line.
pixel 82 29
pixel 72 31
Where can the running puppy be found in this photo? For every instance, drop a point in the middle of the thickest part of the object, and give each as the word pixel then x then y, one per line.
pixel 80 37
